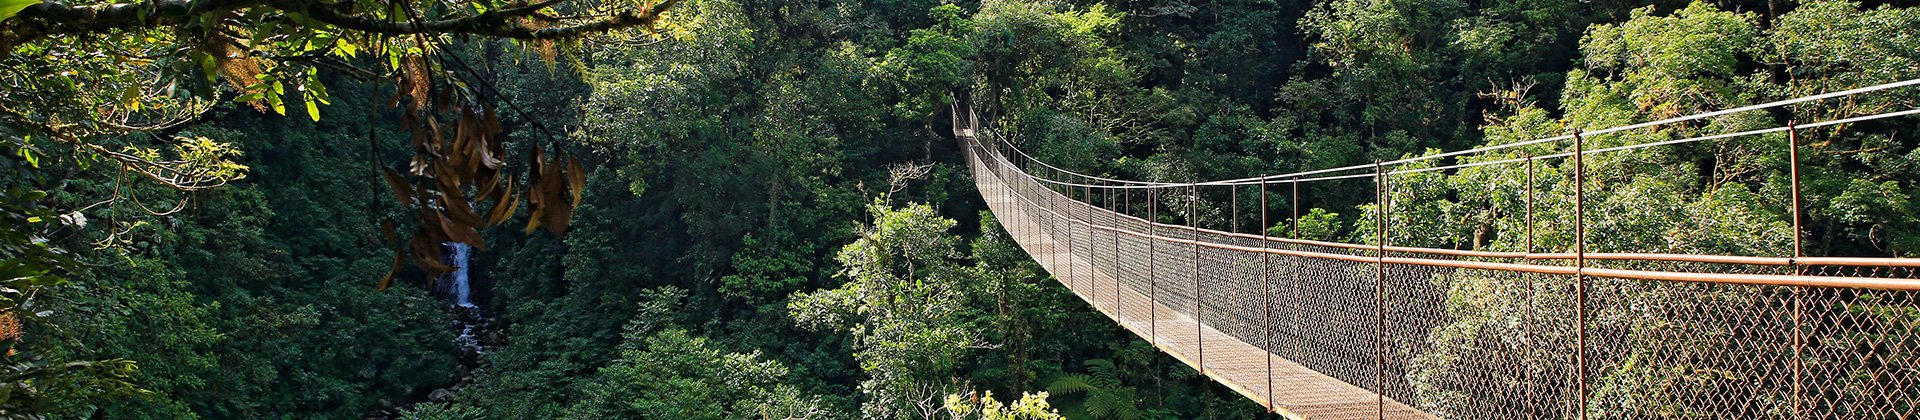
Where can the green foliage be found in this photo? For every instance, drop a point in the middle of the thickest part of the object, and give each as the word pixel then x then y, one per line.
pixel 441 411
pixel 1663 66
pixel 673 375
pixel 1105 397
pixel 933 63
pixel 273 321
pixel 759 278
pixel 1023 297
pixel 732 157
pixel 254 303
pixel 904 304
pixel 1318 224
pixel 985 407
pixel 1723 198
pixel 9 8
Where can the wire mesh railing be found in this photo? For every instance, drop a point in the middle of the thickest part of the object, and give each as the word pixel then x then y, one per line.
pixel 1341 330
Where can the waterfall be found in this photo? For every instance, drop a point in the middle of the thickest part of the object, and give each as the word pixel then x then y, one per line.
pixel 468 320
pixel 457 287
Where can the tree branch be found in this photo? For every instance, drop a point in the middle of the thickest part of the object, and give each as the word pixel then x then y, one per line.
pixel 47 19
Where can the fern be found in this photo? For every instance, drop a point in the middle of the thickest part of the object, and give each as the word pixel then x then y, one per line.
pixel 1071 383
pixel 1105 398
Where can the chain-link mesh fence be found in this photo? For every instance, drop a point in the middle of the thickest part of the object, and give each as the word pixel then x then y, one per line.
pixel 1316 329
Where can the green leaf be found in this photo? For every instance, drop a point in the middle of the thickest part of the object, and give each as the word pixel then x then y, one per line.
pixel 277 98
pixel 27 153
pixel 313 107
pixel 347 49
pixel 8 8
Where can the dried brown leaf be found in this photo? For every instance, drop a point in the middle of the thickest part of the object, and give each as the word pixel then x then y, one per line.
pixel 399 261
pixel 401 190
pixel 459 209
pixel 427 255
pixel 576 180
pixel 503 208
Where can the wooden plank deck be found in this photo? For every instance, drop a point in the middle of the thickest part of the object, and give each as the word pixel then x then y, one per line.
pixel 1296 392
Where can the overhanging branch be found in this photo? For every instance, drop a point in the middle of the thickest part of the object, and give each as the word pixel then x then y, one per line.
pixel 48 19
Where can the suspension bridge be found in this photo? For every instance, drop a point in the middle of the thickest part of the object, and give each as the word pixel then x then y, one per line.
pixel 1331 330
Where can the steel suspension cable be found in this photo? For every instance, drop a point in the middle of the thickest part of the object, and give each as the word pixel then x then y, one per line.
pixel 1301 175
pixel 1284 178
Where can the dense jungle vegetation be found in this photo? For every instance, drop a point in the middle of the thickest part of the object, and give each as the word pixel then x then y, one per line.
pixel 755 208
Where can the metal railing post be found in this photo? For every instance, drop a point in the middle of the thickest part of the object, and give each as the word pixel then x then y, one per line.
pixel 1296 208
pixel 1266 294
pixel 1799 336
pixel 1027 223
pixel 1293 269
pixel 1380 290
pixel 1153 277
pixel 1580 265
pixel 1111 193
pixel 1193 221
pixel 1073 277
pixel 1086 232
pixel 1526 362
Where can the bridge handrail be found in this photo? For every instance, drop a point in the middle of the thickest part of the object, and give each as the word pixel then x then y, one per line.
pixel 1682 276
pixel 1611 256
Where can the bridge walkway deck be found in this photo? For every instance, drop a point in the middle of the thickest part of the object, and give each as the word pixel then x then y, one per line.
pixel 1296 392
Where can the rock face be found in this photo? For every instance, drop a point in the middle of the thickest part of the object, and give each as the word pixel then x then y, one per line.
pixel 440 395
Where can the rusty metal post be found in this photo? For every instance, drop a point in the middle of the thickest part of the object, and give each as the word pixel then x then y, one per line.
pixel 1122 210
pixel 1087 233
pixel 1111 193
pixel 1073 222
pixel 1084 211
pixel 1066 206
pixel 1266 294
pixel 1379 290
pixel 1016 197
pixel 1027 222
pixel 1529 204
pixel 1193 221
pixel 1799 337
pixel 1233 200
pixel 1296 207
pixel 1293 270
pixel 1124 206
pixel 1580 264
pixel 1526 364
pixel 1012 202
pixel 1044 192
pixel 1066 234
pixel 1065 224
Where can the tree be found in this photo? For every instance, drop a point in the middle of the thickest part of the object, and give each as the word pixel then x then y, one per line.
pixel 670 374
pixel 90 71
pixel 1724 197
pixel 906 305
pixel 114 84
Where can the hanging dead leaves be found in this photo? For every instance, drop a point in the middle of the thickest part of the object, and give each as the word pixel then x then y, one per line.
pixel 456 171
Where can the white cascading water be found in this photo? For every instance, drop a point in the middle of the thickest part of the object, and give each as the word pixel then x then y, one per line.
pixel 457 287
pixel 469 321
